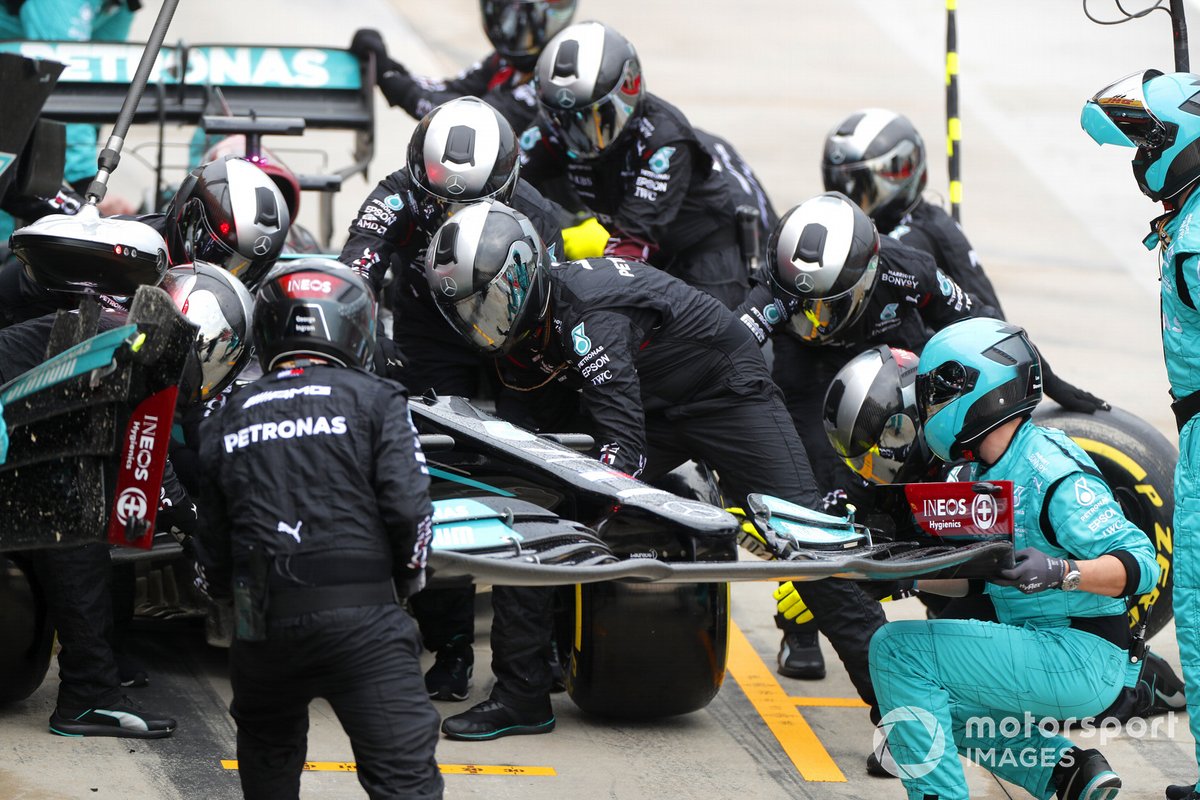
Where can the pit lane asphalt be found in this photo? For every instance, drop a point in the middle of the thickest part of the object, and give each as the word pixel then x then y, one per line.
pixel 1055 219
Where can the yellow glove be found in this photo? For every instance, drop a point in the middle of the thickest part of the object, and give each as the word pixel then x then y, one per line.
pixel 585 240
pixel 788 601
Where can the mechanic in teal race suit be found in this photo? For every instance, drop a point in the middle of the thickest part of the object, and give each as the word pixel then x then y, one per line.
pixel 67 20
pixel 1159 114
pixel 1061 647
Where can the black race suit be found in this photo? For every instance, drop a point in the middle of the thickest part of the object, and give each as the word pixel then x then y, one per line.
pixel 318 497
pixel 657 191
pixel 668 374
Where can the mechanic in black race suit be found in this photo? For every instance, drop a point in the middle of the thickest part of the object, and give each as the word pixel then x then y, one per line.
pixel 835 287
pixel 634 161
pixel 314 563
pixel 78 581
pixel 462 151
pixel 619 330
pixel 518 29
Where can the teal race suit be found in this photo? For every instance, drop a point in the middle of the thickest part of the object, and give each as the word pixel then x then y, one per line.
pixel 69 20
pixel 966 686
pixel 1179 240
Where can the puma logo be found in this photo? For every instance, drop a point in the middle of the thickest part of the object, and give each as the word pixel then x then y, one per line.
pixel 289 530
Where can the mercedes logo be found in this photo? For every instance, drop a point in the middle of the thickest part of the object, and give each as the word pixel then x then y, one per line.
pixel 690 510
pixel 836 157
pixel 131 504
pixel 262 246
pixel 455 185
pixel 804 282
pixel 566 98
pixel 449 287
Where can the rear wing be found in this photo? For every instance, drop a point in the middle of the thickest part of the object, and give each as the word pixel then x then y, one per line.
pixel 329 89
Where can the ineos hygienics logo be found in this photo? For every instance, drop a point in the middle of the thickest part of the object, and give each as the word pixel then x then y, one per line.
pixel 131 504
pixel 909 715
pixel 983 511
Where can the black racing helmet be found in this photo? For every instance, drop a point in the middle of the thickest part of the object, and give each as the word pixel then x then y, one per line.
pixel 462 151
pixel 590 86
pixel 314 307
pixel 519 29
pixel 221 309
pixel 488 273
pixel 230 213
pixel 877 159
pixel 871 416
pixel 824 252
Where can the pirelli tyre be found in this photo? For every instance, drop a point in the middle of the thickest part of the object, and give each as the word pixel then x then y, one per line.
pixel 643 651
pixel 26 631
pixel 1139 464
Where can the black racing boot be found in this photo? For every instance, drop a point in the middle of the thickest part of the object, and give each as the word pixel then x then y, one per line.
pixel 800 655
pixel 123 719
pixel 492 719
pixel 450 676
pixel 1182 792
pixel 1164 689
pixel 1084 775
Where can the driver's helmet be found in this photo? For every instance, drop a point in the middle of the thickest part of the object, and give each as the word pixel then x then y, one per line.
pixel 462 151
pixel 589 84
pixel 230 213
pixel 871 416
pixel 877 159
pixel 314 307
pixel 221 309
pixel 974 376
pixel 488 272
pixel 519 29
pixel 285 180
pixel 825 253
pixel 1160 116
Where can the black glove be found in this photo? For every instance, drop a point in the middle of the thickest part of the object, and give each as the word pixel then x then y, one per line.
pixel 368 40
pixel 1033 571
pixel 1071 398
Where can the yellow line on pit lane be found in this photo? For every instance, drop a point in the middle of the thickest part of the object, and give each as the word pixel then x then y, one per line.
pixel 828 702
pixel 446 769
pixel 778 710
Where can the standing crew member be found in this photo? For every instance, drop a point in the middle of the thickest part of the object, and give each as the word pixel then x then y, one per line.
pixel 1156 113
pixel 314 563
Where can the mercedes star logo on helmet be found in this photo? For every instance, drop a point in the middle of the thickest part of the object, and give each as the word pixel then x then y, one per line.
pixel 836 157
pixel 565 98
pixel 455 185
pixel 262 246
pixel 804 282
pixel 449 287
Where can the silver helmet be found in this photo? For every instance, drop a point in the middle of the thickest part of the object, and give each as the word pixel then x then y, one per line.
pixel 519 29
pixel 462 151
pixel 871 416
pixel 877 159
pixel 230 213
pixel 488 273
pixel 221 308
pixel 589 83
pixel 824 252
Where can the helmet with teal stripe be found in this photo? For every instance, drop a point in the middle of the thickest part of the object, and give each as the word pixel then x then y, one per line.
pixel 1160 116
pixel 974 376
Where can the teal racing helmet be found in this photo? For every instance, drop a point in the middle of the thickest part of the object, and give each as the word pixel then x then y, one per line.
pixel 1160 116
pixel 974 376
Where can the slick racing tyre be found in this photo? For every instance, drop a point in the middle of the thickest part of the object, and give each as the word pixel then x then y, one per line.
pixel 1139 464
pixel 26 631
pixel 643 651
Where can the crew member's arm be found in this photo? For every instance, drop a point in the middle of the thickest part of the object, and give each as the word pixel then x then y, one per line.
pixel 763 312
pixel 653 202
pixel 417 95
pixel 402 488
pixel 382 221
pixel 603 346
